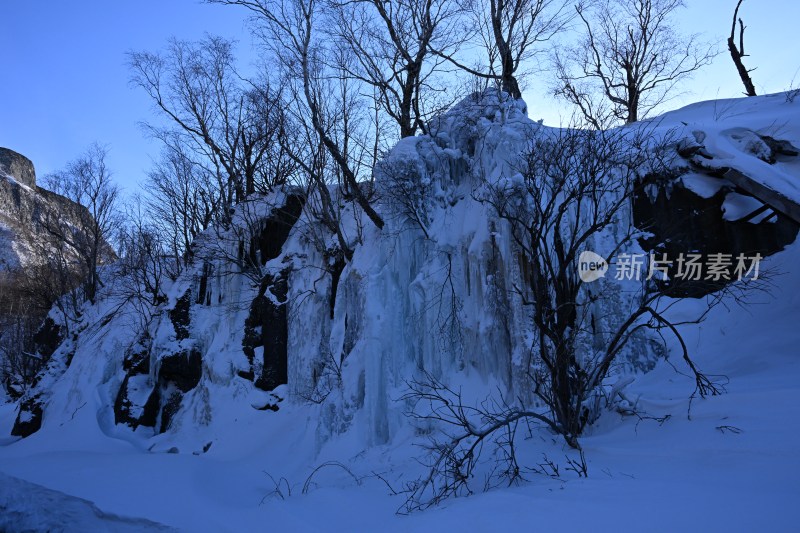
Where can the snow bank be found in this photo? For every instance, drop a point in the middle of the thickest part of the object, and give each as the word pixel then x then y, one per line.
pixel 26 506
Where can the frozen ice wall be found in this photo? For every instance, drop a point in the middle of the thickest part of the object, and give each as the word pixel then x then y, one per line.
pixel 431 292
pixel 436 291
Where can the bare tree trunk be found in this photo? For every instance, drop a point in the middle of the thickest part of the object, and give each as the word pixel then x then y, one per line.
pixel 349 177
pixel 508 82
pixel 631 56
pixel 738 53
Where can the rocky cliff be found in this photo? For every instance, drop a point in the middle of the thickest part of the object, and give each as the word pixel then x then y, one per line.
pixel 27 286
pixel 18 166
pixel 23 205
pixel 269 315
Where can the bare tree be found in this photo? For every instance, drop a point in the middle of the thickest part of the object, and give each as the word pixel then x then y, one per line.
pixel 264 127
pixel 631 56
pixel 143 256
pixel 737 53
pixel 182 199
pixel 575 194
pixel 53 283
pixel 229 124
pixel 466 430
pixel 511 31
pixel 291 30
pixel 92 218
pixel 20 317
pixel 578 185
pixel 391 44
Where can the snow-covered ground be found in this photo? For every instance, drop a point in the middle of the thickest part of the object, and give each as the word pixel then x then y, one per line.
pixel 25 506
pixel 726 462
pixel 727 130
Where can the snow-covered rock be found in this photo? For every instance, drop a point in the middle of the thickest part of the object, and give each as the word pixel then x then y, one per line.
pixel 274 344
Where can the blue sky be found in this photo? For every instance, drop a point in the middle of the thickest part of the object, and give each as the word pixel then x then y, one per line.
pixel 65 83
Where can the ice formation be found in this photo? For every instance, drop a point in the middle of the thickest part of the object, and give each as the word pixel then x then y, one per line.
pixel 268 301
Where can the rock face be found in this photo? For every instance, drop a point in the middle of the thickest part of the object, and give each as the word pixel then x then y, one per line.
pixel 24 250
pixel 45 342
pixel 166 368
pixel 679 222
pixel 18 167
pixel 20 207
pixel 269 304
pixel 23 207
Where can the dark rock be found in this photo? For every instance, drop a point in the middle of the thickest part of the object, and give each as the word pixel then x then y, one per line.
pixel 177 374
pixel 182 369
pixel 780 147
pixel 270 404
pixel 180 317
pixel 29 418
pixel 169 409
pixel 249 375
pixel 336 273
pixel 275 230
pixel 267 326
pixel 123 407
pixel 203 294
pixel 136 363
pixel 683 222
pixel 137 359
pixel 150 411
pixel 48 338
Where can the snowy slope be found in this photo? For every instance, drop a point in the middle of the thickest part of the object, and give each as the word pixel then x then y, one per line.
pixel 723 462
pixel 682 474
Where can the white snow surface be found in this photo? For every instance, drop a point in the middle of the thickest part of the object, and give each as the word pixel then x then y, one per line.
pixel 25 506
pixel 730 132
pixel 726 462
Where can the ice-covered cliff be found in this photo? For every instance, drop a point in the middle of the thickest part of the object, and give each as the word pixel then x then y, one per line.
pixel 270 316
pixel 275 351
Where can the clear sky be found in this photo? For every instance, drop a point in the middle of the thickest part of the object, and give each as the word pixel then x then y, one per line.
pixel 64 80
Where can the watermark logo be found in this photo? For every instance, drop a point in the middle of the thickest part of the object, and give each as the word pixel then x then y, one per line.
pixel 591 266
pixel 690 267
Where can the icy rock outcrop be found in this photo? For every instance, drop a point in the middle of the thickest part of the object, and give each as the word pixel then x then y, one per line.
pixel 45 342
pixel 24 253
pixel 266 334
pixel 432 292
pixel 682 221
pixel 696 209
pixel 204 335
pixel 272 300
pixel 176 370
